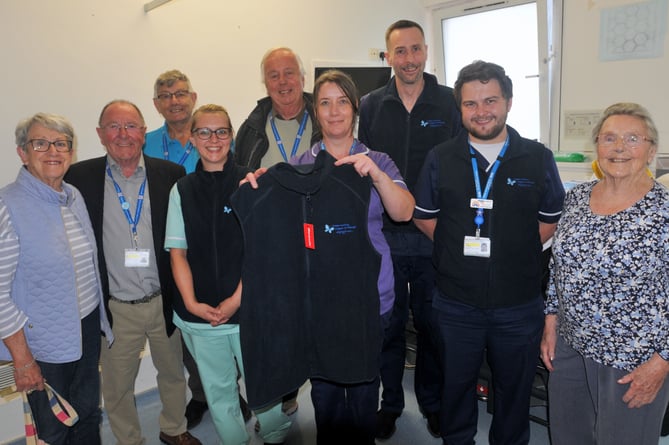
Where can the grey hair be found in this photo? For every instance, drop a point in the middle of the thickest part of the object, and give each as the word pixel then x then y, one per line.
pixel 272 51
pixel 628 109
pixel 53 122
pixel 169 78
pixel 120 101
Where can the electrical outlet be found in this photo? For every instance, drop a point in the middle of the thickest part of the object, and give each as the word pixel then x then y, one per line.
pixel 374 54
pixel 579 124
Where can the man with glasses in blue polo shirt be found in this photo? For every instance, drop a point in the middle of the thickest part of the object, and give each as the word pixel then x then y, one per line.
pixel 174 98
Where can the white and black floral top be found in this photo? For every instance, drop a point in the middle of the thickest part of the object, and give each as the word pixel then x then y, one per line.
pixel 610 279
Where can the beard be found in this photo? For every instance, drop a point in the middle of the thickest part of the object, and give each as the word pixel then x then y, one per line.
pixel 488 134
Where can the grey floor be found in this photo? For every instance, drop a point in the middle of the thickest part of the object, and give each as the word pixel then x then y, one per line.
pixel 411 426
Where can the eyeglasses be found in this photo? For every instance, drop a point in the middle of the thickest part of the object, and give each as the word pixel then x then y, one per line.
pixel 61 145
pixel 130 127
pixel 181 94
pixel 205 133
pixel 630 140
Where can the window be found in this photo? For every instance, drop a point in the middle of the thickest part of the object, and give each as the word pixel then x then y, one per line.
pixel 519 35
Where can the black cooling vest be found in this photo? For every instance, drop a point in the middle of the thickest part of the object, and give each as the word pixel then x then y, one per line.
pixel 307 312
pixel 512 275
pixel 214 238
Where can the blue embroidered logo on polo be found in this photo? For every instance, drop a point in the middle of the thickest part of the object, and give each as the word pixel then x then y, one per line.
pixel 519 182
pixel 339 229
pixel 227 209
pixel 432 123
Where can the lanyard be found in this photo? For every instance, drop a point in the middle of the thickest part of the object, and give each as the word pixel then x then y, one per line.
pixel 298 137
pixel 166 151
pixel 478 219
pixel 125 206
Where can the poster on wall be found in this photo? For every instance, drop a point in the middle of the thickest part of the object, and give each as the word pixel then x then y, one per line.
pixel 634 31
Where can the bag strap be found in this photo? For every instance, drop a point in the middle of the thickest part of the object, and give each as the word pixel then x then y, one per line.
pixel 60 408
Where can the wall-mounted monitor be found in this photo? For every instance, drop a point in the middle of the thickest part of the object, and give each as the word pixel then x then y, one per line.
pixel 366 78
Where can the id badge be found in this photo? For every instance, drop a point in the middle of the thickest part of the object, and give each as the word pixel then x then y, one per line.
pixel 137 257
pixel 480 203
pixel 477 246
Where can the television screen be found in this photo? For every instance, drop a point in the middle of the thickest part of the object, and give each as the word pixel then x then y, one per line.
pixel 366 78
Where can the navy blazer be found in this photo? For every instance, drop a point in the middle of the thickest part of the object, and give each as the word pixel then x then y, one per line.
pixel 89 177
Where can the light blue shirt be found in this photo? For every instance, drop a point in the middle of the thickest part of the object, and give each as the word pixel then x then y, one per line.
pixel 175 231
pixel 158 141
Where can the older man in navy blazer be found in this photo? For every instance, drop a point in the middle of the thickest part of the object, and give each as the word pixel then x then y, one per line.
pixel 126 195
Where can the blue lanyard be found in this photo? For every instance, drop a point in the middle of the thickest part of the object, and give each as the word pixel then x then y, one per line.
pixel 166 151
pixel 478 219
pixel 298 137
pixel 125 206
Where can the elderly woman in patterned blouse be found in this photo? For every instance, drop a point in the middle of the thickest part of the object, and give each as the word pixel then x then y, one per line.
pixel 606 336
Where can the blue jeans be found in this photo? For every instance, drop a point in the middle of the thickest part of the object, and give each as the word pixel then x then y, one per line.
pixel 79 383
pixel 414 286
pixel 510 338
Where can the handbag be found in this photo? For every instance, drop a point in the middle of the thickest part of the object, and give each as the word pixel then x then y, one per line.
pixel 60 408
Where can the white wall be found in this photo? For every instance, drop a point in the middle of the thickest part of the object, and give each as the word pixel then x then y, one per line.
pixel 71 57
pixel 591 84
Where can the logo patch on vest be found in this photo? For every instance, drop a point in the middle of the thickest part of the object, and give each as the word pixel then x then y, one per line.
pixel 339 229
pixel 432 123
pixel 226 209
pixel 519 182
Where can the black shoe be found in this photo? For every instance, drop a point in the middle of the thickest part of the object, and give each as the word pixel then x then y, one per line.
pixel 385 424
pixel 246 412
pixel 433 424
pixel 194 412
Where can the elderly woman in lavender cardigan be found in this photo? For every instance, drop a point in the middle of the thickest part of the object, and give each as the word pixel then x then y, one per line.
pixel 50 297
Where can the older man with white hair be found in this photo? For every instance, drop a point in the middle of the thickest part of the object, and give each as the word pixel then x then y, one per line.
pixel 282 124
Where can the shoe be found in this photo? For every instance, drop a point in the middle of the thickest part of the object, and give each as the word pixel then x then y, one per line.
pixel 289 407
pixel 433 424
pixel 385 424
pixel 246 412
pixel 194 412
pixel 181 439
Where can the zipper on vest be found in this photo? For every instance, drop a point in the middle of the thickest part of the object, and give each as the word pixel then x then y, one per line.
pixel 307 212
pixel 404 169
pixel 215 225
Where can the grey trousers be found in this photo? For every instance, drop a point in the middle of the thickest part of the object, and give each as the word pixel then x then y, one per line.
pixel 586 407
